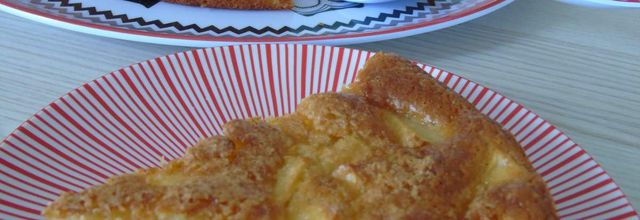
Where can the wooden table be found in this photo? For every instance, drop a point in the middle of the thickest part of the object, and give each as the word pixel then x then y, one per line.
pixel 579 68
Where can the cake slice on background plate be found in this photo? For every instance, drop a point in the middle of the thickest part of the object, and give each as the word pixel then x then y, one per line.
pixel 239 4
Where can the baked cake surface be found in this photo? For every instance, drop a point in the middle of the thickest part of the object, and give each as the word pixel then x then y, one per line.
pixel 239 4
pixel 396 144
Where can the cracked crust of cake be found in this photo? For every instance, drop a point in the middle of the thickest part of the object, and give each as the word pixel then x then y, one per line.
pixel 396 144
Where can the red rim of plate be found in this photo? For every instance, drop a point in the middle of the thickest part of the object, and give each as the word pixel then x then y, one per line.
pixel 454 19
pixel 130 118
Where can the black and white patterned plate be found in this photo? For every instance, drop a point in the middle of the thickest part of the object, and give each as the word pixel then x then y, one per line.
pixel 311 21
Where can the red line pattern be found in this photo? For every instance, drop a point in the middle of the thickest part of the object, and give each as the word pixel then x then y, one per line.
pixel 131 118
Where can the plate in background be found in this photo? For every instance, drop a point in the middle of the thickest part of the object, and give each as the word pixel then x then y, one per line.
pixel 606 3
pixel 131 118
pixel 311 21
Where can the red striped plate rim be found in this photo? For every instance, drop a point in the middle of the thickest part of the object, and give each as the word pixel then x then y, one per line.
pixel 131 118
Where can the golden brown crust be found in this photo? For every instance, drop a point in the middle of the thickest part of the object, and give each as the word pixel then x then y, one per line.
pixel 396 144
pixel 393 82
pixel 242 4
pixel 221 177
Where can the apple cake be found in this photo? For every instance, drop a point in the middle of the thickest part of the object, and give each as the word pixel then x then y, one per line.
pixel 395 144
pixel 241 4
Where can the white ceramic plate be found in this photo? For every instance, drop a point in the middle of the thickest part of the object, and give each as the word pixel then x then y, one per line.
pixel 606 3
pixel 311 21
pixel 130 118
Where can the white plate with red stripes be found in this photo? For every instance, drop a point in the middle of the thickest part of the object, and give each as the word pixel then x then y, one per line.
pixel 130 118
